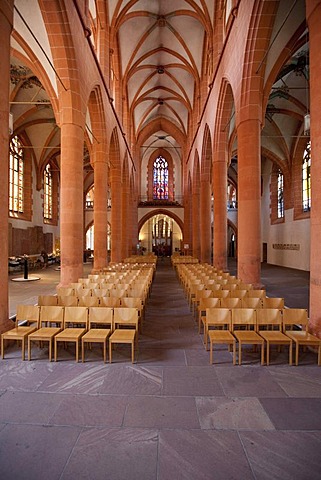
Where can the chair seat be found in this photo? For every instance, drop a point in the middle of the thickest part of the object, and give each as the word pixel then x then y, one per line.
pixel 123 336
pixel 96 335
pixel 18 332
pixel 221 336
pixel 44 333
pixel 70 334
pixel 304 338
pixel 245 336
pixel 275 336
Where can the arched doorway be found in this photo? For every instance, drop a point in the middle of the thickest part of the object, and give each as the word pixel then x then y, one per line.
pixel 161 234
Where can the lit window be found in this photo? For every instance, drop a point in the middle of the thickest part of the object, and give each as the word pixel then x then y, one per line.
pixel 306 179
pixel 160 179
pixel 47 193
pixel 280 195
pixel 16 172
pixel 90 198
pixel 90 238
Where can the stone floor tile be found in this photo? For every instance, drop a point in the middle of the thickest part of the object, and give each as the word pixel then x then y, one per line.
pixel 301 381
pixel 114 454
pixel 161 412
pixel 232 414
pixel 294 413
pixel 28 407
pixel 19 375
pixel 200 455
pixel 242 381
pixel 90 410
pixel 191 381
pixel 132 380
pixel 74 377
pixel 35 452
pixel 283 455
pixel 161 356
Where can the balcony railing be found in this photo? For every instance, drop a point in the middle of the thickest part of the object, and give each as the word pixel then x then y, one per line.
pixel 145 201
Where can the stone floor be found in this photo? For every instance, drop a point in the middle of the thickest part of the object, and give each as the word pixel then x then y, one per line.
pixel 171 415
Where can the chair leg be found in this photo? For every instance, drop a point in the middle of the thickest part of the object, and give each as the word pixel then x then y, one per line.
pixel 240 353
pixel 296 353
pixel 234 353
pixel 290 353
pixel 2 347
pixel 211 352
pixel 262 353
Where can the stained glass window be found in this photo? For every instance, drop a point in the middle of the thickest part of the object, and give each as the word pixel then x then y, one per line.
pixel 306 179
pixel 16 172
pixel 280 195
pixel 160 179
pixel 47 193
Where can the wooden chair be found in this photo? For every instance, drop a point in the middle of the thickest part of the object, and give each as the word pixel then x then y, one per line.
pixel 28 315
pixel 88 301
pixel 50 322
pixel 49 300
pixel 269 324
pixel 245 286
pixel 63 291
pixel 72 332
pixel 245 319
pixel 293 318
pixel 233 302
pixel 124 317
pixel 254 293
pixel 238 293
pixel 230 286
pixel 220 333
pixel 110 302
pixel 198 295
pixel 100 326
pixel 134 302
pixel 255 302
pixel 67 300
pixel 220 293
pixel 119 293
pixel 273 302
pixel 205 303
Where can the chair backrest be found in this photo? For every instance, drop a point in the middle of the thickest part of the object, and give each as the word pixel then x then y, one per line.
pixel 48 300
pixel 213 286
pixel 245 286
pixel 76 316
pixel 292 317
pixel 230 286
pixel 119 293
pixel 238 293
pixel 270 318
pixel 254 302
pixel 100 292
pixel 88 301
pixel 203 294
pixel 132 302
pixel 52 315
pixel 67 300
pixel 27 313
pixel 100 316
pixel 126 316
pixel 212 302
pixel 273 302
pixel 109 302
pixel 220 293
pixel 65 291
pixel 242 317
pixel 231 302
pixel 86 292
pixel 256 293
pixel 219 317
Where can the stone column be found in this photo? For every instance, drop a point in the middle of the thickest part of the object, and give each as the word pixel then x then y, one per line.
pixel 6 22
pixel 220 211
pixel 205 219
pixel 187 225
pixel 249 202
pixel 313 9
pixel 196 225
pixel 125 218
pixel 100 207
pixel 71 202
pixel 116 222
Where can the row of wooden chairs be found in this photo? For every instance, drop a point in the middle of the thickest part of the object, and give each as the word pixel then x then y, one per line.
pixel 229 302
pixel 249 326
pixel 54 324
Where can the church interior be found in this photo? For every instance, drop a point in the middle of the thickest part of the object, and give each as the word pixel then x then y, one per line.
pixel 154 150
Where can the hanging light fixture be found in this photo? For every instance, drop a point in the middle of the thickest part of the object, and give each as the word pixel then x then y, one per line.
pixel 10 123
pixel 306 128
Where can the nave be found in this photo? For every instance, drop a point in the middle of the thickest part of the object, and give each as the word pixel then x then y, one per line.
pixel 170 415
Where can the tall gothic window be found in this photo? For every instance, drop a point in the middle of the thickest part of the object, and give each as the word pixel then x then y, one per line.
pixel 47 193
pixel 160 179
pixel 280 195
pixel 16 173
pixel 306 179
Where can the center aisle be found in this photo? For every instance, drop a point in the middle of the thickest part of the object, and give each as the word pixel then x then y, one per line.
pixel 170 331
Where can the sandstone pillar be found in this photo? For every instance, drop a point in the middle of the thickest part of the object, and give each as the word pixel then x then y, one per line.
pixel 196 225
pixel 6 22
pixel 116 217
pixel 220 211
pixel 249 202
pixel 313 8
pixel 100 207
pixel 205 219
